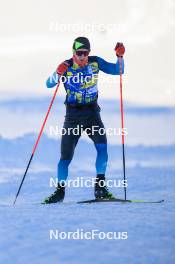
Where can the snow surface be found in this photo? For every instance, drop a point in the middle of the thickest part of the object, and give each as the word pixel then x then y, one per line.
pixel 150 170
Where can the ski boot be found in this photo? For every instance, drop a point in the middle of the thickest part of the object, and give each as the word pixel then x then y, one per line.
pixel 57 196
pixel 101 191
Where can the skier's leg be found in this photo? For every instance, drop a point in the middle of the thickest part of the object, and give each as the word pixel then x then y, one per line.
pixel 102 158
pixel 100 142
pixel 99 138
pixel 68 144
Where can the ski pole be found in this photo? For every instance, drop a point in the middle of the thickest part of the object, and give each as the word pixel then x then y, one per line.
pixel 37 141
pixel 122 124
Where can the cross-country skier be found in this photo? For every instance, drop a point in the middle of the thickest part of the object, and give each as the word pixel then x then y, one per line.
pixel 83 110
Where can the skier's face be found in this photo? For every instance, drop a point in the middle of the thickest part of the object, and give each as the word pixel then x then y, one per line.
pixel 81 57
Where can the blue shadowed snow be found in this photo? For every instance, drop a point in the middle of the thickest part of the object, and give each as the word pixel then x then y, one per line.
pixel 150 170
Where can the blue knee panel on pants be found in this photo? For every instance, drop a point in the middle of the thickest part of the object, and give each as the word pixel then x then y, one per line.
pixel 62 173
pixel 102 158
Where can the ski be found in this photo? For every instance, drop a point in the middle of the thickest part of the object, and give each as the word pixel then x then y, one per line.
pixel 117 200
pixel 92 201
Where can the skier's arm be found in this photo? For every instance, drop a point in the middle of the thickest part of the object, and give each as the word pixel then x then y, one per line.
pixel 110 68
pixel 54 79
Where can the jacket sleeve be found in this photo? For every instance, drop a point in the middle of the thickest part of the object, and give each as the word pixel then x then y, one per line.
pixel 52 80
pixel 110 68
pixel 55 77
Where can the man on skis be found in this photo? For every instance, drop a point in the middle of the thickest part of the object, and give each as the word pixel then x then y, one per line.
pixel 83 110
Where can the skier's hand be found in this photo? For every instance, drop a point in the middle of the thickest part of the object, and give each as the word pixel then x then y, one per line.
pixel 119 49
pixel 62 68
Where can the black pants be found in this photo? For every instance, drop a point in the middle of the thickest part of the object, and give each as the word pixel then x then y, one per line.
pixel 77 120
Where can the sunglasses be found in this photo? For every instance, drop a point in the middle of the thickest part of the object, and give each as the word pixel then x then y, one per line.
pixel 82 52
